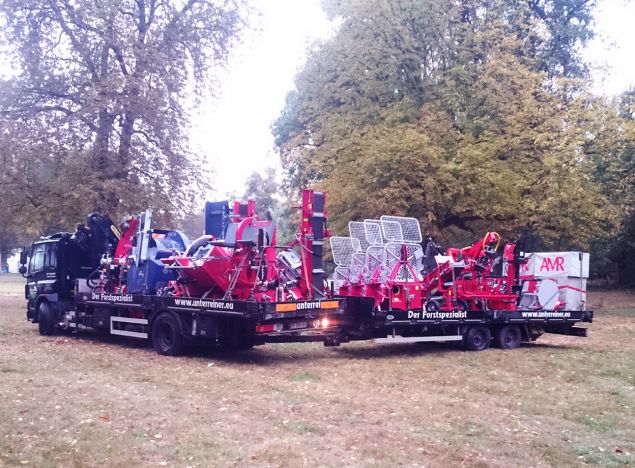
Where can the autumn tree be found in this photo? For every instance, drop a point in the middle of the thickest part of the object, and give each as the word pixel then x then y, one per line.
pixel 263 188
pixel 103 87
pixel 467 115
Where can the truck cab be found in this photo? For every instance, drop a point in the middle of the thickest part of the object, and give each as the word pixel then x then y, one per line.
pixel 51 265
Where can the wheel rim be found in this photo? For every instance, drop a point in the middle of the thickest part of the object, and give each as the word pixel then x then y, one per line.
pixel 166 337
pixel 508 338
pixel 479 338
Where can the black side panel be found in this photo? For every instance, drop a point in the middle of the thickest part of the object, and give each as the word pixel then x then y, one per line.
pixel 317 225
pixel 103 238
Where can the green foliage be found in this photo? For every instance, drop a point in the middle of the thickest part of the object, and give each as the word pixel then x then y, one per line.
pixel 613 152
pixel 466 115
pixel 95 119
pixel 262 188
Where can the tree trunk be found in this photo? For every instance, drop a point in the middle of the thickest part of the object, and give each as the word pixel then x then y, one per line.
pixel 102 142
pixel 125 141
pixel 4 258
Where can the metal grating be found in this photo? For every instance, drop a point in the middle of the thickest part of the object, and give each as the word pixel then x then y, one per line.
pixel 340 277
pixel 413 258
pixel 409 226
pixel 343 249
pixel 357 231
pixel 372 227
pixel 357 267
pixel 392 231
pixel 375 264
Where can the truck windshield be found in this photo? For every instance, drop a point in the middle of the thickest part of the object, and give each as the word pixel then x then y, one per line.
pixel 37 258
pixel 43 257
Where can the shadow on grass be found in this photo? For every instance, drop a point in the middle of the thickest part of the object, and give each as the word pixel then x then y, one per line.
pixel 273 353
pixel 539 345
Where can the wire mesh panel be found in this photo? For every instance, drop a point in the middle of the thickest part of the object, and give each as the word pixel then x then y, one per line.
pixel 343 249
pixel 340 277
pixel 372 227
pixel 357 268
pixel 392 231
pixel 375 264
pixel 357 231
pixel 409 226
pixel 404 257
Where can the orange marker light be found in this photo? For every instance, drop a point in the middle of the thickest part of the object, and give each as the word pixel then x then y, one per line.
pixel 286 307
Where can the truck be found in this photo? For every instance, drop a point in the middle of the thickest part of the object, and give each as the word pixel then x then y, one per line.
pixel 235 287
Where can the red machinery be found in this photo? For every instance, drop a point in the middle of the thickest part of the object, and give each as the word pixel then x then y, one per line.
pixel 384 259
pixel 242 263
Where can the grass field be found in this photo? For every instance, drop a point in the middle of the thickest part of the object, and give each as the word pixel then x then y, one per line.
pixel 85 401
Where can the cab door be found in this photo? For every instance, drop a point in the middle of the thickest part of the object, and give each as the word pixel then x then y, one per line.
pixel 42 275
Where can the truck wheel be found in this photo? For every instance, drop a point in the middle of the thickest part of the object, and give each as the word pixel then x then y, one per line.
pixel 46 319
pixel 508 337
pixel 477 338
pixel 166 335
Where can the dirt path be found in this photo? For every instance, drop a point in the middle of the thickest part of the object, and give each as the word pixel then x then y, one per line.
pixel 80 400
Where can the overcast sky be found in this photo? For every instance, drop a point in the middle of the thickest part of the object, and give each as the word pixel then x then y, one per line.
pixel 234 132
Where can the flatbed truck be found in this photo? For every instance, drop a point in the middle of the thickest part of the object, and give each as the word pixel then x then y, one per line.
pixel 170 323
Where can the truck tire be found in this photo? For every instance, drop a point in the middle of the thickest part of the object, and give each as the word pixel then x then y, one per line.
pixel 508 337
pixel 166 335
pixel 46 319
pixel 477 338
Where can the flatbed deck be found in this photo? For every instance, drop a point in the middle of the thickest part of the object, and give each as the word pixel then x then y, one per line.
pixel 331 320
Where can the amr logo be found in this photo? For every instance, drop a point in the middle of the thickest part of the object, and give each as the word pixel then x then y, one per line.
pixel 547 264
pixel 552 264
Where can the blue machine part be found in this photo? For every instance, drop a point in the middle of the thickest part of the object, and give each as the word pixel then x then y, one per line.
pixel 151 274
pixel 216 218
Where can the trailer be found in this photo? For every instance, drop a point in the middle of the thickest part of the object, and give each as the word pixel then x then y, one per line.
pixel 235 287
pixel 475 330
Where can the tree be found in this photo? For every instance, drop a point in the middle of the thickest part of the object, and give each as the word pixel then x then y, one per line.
pixel 105 85
pixel 458 113
pixel 263 189
pixel 612 149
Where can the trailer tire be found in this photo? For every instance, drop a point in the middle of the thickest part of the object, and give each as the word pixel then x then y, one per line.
pixel 46 319
pixel 477 338
pixel 166 335
pixel 508 337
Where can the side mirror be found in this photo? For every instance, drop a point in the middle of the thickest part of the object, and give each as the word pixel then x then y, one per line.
pixel 22 270
pixel 23 257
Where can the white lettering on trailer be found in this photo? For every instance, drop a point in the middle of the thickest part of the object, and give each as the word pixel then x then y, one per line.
pixel 454 314
pixel 546 314
pixel 204 304
pixel 308 305
pixel 112 297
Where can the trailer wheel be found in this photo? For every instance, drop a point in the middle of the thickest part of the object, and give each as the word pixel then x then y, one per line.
pixel 432 306
pixel 166 335
pixel 508 337
pixel 46 319
pixel 477 338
